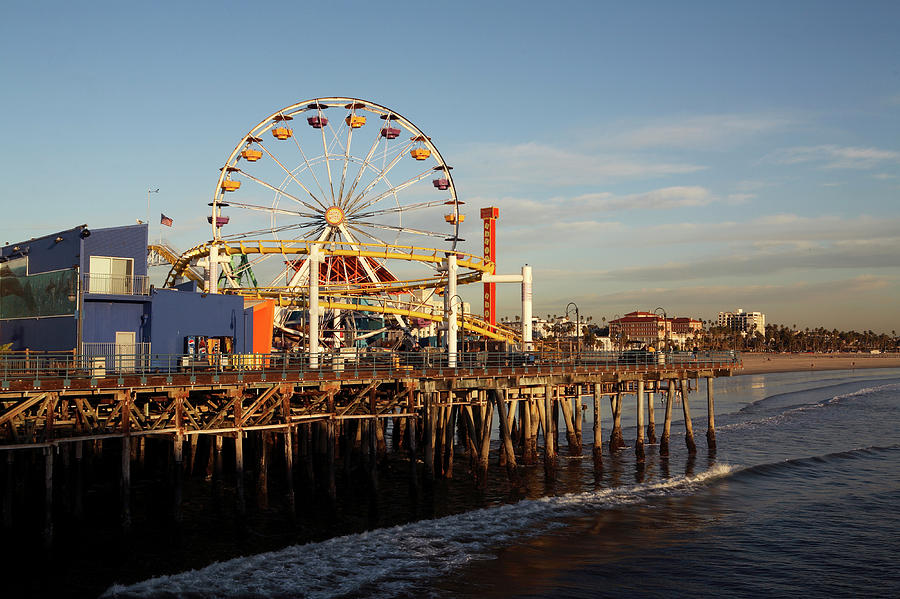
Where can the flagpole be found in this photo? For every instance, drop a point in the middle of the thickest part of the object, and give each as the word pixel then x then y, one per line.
pixel 149 191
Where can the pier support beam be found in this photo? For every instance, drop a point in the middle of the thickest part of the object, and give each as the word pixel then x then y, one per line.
pixel 239 454
pixel 125 489
pixel 549 434
pixel 598 433
pixel 639 441
pixel 262 474
pixel 651 417
pixel 8 489
pixel 688 426
pixel 667 421
pixel 411 432
pixel 529 451
pixel 506 438
pixel 710 415
pixel 616 442
pixel 48 495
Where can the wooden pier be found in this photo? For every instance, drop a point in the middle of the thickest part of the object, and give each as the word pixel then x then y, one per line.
pixel 316 415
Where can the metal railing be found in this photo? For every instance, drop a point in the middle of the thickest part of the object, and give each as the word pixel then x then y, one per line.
pixel 100 358
pixel 115 284
pixel 102 362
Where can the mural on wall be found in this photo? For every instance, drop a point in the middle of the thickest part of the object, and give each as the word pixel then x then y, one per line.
pixel 32 296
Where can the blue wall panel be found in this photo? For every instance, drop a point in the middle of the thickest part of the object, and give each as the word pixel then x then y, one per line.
pixel 177 314
pixel 103 319
pixel 120 242
pixel 45 253
pixel 39 334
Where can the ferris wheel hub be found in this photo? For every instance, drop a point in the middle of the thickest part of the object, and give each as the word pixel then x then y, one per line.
pixel 334 216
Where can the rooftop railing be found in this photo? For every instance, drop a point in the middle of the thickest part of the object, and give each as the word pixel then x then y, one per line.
pixel 115 284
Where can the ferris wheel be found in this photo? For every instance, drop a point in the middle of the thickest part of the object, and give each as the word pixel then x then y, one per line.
pixel 343 172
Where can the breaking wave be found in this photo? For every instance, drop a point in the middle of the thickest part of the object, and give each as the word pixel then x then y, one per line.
pixel 388 562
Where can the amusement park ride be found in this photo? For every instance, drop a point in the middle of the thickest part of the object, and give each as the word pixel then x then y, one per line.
pixel 353 214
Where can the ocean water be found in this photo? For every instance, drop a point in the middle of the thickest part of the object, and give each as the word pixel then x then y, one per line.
pixel 801 498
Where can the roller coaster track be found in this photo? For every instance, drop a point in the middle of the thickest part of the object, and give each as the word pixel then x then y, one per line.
pixel 170 255
pixel 475 264
pixel 409 309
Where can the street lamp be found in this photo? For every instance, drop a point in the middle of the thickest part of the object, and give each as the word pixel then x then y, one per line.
pixel 577 325
pixel 618 330
pixel 665 325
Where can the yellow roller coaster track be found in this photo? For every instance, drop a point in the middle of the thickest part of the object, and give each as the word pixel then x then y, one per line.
pixel 472 269
pixel 469 322
pixel 172 258
pixel 476 264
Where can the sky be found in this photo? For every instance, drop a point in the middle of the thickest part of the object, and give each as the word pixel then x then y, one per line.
pixel 694 156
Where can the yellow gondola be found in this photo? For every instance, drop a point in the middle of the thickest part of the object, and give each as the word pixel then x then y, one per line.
pixel 282 133
pixel 355 121
pixel 420 153
pixel 229 185
pixel 251 155
pixel 451 218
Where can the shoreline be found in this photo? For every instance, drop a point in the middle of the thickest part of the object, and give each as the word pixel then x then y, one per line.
pixel 755 363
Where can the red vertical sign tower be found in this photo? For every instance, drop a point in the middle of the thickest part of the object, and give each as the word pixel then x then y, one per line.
pixel 489 216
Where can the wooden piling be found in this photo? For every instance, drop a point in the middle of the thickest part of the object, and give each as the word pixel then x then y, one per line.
pixel 578 417
pixel 569 419
pixel 598 433
pixel 710 415
pixel 639 441
pixel 429 433
pixel 48 495
pixel 549 435
pixel 241 504
pixel 505 436
pixel 688 426
pixel 616 442
pixel 667 421
pixel 8 490
pixel 178 454
pixel 411 433
pixel 78 503
pixel 529 452
pixel 262 472
pixel 125 488
pixel 449 429
pixel 651 417
pixel 329 449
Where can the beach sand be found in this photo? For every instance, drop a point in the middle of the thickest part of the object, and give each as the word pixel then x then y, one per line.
pixel 763 363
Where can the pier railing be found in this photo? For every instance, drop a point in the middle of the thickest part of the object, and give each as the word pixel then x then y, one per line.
pixel 348 363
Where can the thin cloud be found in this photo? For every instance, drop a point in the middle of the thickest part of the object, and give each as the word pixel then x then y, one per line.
pixel 666 198
pixel 835 157
pixel 700 132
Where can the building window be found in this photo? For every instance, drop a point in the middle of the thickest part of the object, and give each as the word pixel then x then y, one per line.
pixel 111 275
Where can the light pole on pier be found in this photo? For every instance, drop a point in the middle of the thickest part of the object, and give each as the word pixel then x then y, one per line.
pixel 665 325
pixel 577 325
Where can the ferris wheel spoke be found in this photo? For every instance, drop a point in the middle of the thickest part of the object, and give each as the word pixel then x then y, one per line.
pixel 272 210
pixel 292 176
pixel 396 209
pixel 381 175
pixel 402 229
pixel 259 232
pixel 377 240
pixel 327 162
pixel 362 167
pixel 310 169
pixel 395 189
pixel 346 161
pixel 286 194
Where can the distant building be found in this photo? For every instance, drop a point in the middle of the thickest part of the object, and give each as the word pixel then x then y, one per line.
pixel 745 322
pixel 652 329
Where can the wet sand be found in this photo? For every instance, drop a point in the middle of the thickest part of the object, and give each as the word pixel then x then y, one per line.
pixel 763 363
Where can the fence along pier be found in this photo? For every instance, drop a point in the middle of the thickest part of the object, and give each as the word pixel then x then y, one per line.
pixel 59 417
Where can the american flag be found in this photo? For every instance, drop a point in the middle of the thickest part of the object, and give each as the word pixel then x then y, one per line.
pixel 165 220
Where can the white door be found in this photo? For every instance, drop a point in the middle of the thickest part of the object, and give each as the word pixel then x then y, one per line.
pixel 126 351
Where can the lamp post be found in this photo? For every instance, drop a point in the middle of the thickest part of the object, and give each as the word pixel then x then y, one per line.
pixel 665 325
pixel 149 191
pixel 452 349
pixel 577 325
pixel 618 331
